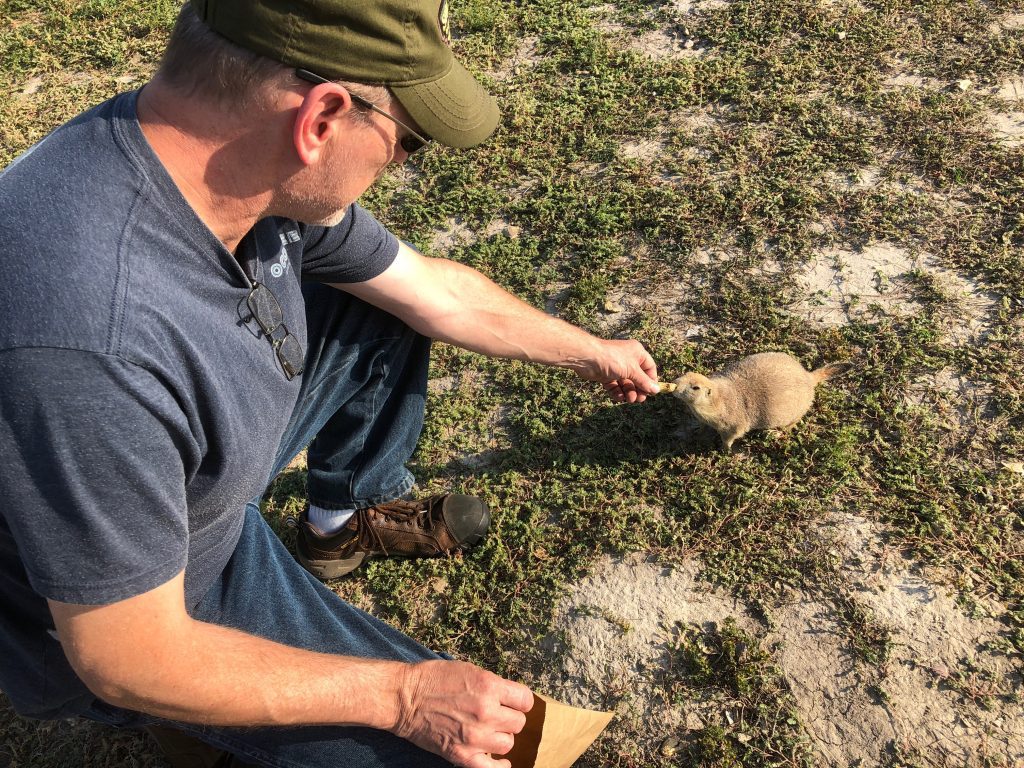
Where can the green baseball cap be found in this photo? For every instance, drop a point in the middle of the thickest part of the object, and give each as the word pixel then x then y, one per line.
pixel 403 44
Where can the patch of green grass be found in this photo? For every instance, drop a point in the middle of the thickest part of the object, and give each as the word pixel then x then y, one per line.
pixel 870 640
pixel 761 140
pixel 71 744
pixel 755 722
pixel 59 57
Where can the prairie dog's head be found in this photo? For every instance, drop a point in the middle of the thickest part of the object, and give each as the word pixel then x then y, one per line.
pixel 695 390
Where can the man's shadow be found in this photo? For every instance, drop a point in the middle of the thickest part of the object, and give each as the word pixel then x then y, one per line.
pixel 609 437
pixel 612 436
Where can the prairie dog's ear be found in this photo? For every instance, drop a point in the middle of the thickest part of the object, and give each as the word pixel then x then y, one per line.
pixel 698 385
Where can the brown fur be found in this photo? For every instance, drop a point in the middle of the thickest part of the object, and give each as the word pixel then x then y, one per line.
pixel 769 390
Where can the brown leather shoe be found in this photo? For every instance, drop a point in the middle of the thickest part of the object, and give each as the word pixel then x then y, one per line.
pixel 438 525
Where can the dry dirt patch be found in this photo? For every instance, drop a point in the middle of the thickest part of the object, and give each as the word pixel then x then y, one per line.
pixel 644 150
pixel 843 285
pixel 664 297
pixel 909 80
pixel 864 178
pixel 691 6
pixel 844 5
pixel 903 76
pixel 952 397
pixel 611 634
pixel 454 233
pixel 1011 89
pixel 674 42
pixel 524 57
pixel 669 44
pixel 451 235
pixel 1008 22
pixel 921 697
pixel 1007 127
pixel 697 120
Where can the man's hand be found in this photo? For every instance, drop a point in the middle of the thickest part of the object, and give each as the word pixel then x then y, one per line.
pixel 462 712
pixel 624 367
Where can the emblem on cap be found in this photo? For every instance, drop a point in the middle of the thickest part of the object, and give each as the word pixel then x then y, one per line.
pixel 444 23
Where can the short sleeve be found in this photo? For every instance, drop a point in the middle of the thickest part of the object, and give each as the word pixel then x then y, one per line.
pixel 93 474
pixel 353 251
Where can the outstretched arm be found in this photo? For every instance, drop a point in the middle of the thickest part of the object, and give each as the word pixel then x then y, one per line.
pixel 146 653
pixel 454 303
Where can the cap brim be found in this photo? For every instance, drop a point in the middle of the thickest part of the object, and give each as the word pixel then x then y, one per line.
pixel 454 110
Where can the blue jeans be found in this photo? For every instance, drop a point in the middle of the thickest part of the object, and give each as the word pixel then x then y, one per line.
pixel 361 411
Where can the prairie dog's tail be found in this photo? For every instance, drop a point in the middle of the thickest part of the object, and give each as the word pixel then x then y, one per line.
pixel 830 371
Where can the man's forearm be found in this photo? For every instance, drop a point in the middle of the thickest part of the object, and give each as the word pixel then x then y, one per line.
pixel 451 302
pixel 145 653
pixel 218 676
pixel 483 317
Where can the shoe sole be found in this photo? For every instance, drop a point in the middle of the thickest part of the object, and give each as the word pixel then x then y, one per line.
pixel 331 569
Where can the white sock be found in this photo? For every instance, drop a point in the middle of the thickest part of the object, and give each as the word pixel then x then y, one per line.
pixel 329 520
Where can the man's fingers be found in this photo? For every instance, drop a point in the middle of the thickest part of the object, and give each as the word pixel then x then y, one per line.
pixel 614 390
pixel 466 714
pixel 516 696
pixel 651 371
pixel 502 743
pixel 649 381
pixel 648 378
pixel 510 720
pixel 643 371
pixel 629 391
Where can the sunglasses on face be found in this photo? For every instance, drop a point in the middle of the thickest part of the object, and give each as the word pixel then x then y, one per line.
pixel 411 142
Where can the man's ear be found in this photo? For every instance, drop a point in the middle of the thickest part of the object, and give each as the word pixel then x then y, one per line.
pixel 318 120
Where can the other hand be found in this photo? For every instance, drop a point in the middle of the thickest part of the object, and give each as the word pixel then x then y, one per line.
pixel 461 712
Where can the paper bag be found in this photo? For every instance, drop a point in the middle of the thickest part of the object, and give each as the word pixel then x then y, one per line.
pixel 555 734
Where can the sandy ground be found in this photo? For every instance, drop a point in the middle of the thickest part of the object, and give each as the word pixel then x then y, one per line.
pixel 932 696
pixel 612 637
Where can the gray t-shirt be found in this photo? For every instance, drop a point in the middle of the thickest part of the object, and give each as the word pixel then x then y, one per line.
pixel 140 405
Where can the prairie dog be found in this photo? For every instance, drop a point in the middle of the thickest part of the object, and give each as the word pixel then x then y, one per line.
pixel 769 390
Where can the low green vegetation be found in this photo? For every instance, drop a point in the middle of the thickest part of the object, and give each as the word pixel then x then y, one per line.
pixel 761 131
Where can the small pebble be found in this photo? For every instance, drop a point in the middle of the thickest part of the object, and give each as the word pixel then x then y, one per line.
pixel 669 747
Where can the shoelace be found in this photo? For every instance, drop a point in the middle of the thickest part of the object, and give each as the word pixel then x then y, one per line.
pixel 400 511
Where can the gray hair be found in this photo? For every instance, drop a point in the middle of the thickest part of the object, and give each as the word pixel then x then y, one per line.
pixel 203 64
